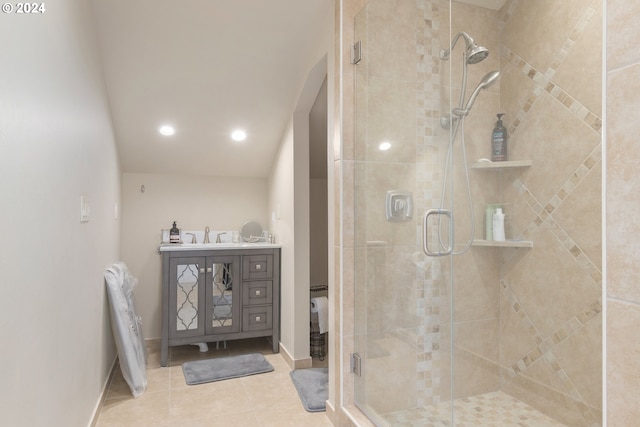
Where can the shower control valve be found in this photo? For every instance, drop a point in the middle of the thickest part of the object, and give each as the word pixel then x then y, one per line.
pixel 399 206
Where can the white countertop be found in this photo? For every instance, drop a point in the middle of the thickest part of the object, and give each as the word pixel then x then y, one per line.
pixel 164 247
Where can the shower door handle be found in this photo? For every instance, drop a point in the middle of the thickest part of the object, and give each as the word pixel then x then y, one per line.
pixel 425 239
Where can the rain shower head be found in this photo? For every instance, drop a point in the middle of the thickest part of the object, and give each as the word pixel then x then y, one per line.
pixel 488 79
pixel 473 53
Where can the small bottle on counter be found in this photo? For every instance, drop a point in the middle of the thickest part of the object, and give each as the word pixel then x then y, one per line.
pixel 174 234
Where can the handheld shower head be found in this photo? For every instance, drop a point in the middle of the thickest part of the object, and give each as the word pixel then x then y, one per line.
pixel 473 53
pixel 488 79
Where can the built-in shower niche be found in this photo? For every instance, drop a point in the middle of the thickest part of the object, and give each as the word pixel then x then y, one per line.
pixel 511 241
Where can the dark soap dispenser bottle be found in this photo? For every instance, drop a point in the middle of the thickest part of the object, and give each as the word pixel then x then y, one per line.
pixel 174 234
pixel 499 141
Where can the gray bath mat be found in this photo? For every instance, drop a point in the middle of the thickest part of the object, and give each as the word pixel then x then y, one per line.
pixel 312 385
pixel 224 368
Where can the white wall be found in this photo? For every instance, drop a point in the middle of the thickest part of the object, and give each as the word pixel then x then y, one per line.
pixel 289 198
pixel 281 202
pixel 194 202
pixel 56 143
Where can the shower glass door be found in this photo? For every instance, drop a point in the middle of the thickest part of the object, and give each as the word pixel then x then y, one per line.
pixel 495 329
pixel 402 296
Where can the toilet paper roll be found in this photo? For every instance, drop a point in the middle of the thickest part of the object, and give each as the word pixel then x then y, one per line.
pixel 320 305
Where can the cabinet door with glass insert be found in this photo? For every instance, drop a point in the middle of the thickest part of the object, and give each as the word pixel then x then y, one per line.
pixel 186 297
pixel 223 295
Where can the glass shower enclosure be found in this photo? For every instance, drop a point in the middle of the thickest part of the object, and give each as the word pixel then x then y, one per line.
pixel 452 327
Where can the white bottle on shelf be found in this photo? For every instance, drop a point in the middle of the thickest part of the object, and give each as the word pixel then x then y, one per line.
pixel 498 226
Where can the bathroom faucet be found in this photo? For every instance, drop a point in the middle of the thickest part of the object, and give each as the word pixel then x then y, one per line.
pixel 206 235
pixel 218 237
pixel 193 237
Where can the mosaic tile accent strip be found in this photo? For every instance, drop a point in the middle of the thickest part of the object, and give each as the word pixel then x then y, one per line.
pixel 544 214
pixel 543 79
pixel 545 346
pixel 544 84
pixel 427 176
pixel 496 409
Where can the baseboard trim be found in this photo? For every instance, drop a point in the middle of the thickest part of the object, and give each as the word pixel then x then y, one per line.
pixel 103 393
pixel 294 364
pixel 331 413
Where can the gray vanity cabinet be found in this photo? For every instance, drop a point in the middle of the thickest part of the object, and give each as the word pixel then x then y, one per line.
pixel 202 297
pixel 219 295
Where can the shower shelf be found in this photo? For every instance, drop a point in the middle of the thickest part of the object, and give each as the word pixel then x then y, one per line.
pixel 505 244
pixel 502 165
pixel 497 166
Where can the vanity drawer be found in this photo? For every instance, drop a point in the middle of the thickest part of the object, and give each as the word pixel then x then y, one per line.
pixel 257 318
pixel 257 267
pixel 257 293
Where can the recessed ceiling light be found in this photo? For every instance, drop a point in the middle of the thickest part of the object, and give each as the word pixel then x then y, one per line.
pixel 238 135
pixel 384 146
pixel 166 130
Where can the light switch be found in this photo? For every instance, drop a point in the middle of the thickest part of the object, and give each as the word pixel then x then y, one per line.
pixel 85 209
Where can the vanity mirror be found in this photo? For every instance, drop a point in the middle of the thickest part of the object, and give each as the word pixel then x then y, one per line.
pixel 251 232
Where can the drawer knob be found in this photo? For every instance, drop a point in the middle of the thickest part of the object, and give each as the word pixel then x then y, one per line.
pixel 258 318
pixel 258 266
pixel 258 293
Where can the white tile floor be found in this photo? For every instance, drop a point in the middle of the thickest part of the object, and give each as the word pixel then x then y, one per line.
pixel 268 399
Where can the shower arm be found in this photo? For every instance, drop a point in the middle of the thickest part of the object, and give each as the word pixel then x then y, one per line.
pixel 444 54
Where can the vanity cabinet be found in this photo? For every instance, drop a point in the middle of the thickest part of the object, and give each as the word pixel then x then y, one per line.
pixel 219 295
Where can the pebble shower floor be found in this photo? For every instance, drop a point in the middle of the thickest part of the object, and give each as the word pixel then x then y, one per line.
pixel 496 409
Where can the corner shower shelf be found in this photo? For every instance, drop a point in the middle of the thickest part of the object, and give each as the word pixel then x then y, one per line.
pixel 507 164
pixel 505 244
pixel 498 166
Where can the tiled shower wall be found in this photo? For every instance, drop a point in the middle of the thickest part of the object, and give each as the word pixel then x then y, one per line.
pixel 528 321
pixel 623 202
pixel 522 330
pixel 551 305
